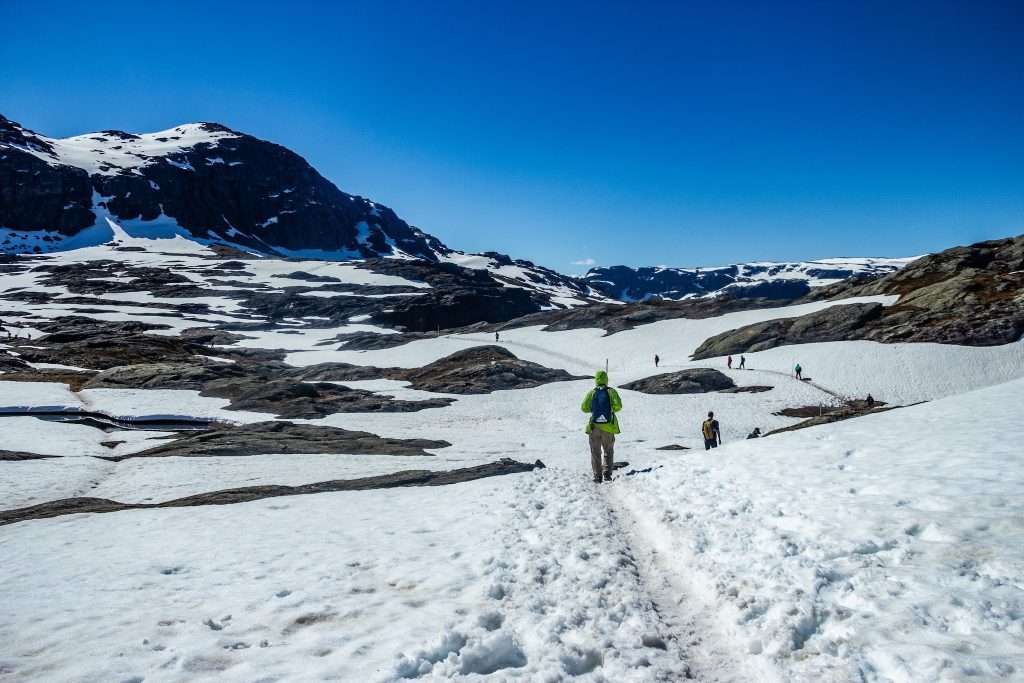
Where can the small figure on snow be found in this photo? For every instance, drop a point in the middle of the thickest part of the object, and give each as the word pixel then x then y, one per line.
pixel 602 402
pixel 743 362
pixel 728 362
pixel 870 401
pixel 712 433
pixel 756 434
pixel 656 360
pixel 799 371
pixel 497 337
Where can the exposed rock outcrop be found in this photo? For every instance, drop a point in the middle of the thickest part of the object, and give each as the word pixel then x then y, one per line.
pixel 68 506
pixel 290 399
pixel 263 438
pixel 836 323
pixel 690 381
pixel 966 295
pixel 192 174
pixel 481 370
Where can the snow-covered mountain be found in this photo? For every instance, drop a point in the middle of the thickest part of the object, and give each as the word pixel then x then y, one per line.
pixel 216 186
pixel 786 280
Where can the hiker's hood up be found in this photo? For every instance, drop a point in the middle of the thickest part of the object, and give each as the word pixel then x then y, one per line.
pixel 601 378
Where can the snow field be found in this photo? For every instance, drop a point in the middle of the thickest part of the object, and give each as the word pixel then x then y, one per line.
pixel 372 586
pixel 886 548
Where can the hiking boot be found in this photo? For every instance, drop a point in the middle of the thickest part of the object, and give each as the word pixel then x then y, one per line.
pixel 607 475
pixel 597 478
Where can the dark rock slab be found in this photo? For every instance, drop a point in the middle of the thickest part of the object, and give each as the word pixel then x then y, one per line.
pixel 70 506
pixel 372 341
pixel 819 415
pixel 970 296
pixel 9 363
pixel 481 370
pixel 18 456
pixel 262 438
pixel 836 323
pixel 613 318
pixel 750 389
pixel 291 399
pixel 690 381
pixel 193 375
pixel 672 447
pixel 342 372
pixel 75 379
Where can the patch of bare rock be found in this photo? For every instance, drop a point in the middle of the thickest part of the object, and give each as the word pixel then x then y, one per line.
pixel 69 506
pixel 266 438
pixel 690 381
pixel 970 295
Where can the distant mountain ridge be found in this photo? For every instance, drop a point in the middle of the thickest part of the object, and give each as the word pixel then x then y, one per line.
pixel 762 279
pixel 211 184
pixel 201 179
pixel 214 185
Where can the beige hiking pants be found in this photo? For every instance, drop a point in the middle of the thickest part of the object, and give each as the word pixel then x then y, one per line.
pixel 600 439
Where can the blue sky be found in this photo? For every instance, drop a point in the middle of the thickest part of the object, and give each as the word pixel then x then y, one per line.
pixel 636 133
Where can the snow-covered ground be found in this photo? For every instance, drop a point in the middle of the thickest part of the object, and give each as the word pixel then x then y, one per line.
pixel 889 548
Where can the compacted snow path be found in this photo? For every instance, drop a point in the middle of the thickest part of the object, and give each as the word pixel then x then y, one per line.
pixel 567 582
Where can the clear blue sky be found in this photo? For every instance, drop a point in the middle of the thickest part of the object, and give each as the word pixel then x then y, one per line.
pixel 663 133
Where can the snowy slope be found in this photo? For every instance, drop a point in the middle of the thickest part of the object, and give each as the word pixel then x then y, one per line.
pixel 885 548
pixel 116 153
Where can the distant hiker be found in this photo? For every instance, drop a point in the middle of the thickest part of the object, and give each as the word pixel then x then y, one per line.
pixel 799 371
pixel 496 336
pixel 729 362
pixel 656 360
pixel 602 402
pixel 870 401
pixel 743 362
pixel 712 434
pixel 756 434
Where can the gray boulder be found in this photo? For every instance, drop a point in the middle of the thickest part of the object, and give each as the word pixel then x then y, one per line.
pixel 692 381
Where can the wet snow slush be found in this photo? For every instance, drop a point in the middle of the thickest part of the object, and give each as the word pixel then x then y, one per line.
pixel 885 548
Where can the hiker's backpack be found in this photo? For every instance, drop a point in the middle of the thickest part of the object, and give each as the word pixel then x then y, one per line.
pixel 601 406
pixel 709 432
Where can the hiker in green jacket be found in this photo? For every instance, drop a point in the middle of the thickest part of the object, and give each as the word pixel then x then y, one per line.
pixel 602 402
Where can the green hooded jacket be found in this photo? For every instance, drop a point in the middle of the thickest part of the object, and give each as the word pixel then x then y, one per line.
pixel 601 380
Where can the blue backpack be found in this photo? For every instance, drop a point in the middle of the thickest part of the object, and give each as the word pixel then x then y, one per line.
pixel 601 406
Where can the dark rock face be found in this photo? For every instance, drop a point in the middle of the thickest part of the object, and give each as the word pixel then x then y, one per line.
pixel 263 438
pixel 966 295
pixel 738 281
pixel 235 186
pixel 819 415
pixel 691 381
pixel 100 352
pixel 290 399
pixel 264 387
pixel 68 506
pixel 614 318
pixel 35 195
pixel 458 308
pixel 970 295
pixel 831 324
pixel 481 370
pixel 18 456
